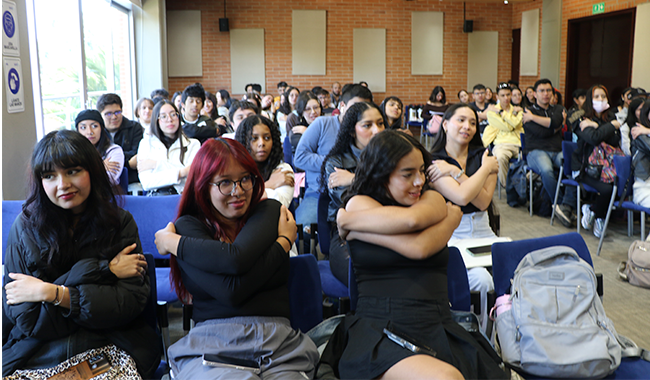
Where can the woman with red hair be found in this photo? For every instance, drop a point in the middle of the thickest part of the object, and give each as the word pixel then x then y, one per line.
pixel 230 258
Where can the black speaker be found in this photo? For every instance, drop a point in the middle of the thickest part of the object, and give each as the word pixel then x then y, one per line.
pixel 468 26
pixel 223 25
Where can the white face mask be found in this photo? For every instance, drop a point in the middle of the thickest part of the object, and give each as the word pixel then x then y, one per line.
pixel 600 106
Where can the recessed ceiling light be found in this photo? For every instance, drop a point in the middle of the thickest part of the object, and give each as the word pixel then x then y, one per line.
pixel 505 1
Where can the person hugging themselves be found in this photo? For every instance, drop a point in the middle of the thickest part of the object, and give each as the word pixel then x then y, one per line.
pixel 599 137
pixel 91 125
pixel 480 105
pixel 362 121
pixel 398 232
pixel 75 276
pixel 504 130
pixel 641 158
pixel 229 257
pixel 261 137
pixel 195 125
pixel 632 126
pixel 465 174
pixel 165 155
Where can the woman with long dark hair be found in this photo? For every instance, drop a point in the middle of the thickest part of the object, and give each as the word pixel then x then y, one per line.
pixel 434 109
pixel 393 110
pixel 261 137
pixel 230 259
pixel 362 121
pixel 632 121
pixel 641 153
pixel 598 130
pixel 75 275
pixel 165 155
pixel 210 108
pixel 398 232
pixel 90 123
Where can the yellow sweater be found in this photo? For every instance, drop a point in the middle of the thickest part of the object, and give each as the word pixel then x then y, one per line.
pixel 503 128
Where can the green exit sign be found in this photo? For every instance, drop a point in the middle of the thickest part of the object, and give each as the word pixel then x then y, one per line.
pixel 598 8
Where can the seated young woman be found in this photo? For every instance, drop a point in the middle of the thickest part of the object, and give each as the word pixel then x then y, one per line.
pixel 598 127
pixel 362 121
pixel 398 232
pixel 261 137
pixel 308 108
pixel 230 259
pixel 90 123
pixel 435 107
pixel 632 120
pixel 165 155
pixel 75 275
pixel 466 175
pixel 641 155
pixel 393 110
pixel 143 113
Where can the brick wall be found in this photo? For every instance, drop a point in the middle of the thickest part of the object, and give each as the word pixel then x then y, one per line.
pixel 342 17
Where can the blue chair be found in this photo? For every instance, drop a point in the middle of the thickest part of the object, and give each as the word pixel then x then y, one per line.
pixel 457 283
pixel 568 147
pixel 623 166
pixel 152 316
pixel 124 180
pixel 10 211
pixel 332 287
pixel 286 150
pixel 505 259
pixel 305 293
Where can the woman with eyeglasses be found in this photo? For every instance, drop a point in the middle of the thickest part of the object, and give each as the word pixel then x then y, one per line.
pixel 165 155
pixel 308 108
pixel 229 257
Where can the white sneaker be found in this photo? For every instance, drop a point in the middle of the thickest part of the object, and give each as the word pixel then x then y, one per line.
pixel 587 217
pixel 599 224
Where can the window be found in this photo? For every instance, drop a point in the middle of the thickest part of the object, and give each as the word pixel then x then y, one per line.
pixel 81 58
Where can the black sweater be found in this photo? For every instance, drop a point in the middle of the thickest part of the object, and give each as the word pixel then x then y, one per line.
pixel 202 129
pixel 246 278
pixel 591 137
pixel 542 138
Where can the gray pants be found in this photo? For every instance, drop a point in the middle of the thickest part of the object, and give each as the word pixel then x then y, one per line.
pixel 282 352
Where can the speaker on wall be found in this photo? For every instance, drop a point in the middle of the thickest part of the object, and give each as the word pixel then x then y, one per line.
pixel 468 26
pixel 223 25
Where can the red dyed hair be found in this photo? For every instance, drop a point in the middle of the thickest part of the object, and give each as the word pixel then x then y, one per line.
pixel 212 159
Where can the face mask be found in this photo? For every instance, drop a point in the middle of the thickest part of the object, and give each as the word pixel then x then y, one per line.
pixel 600 106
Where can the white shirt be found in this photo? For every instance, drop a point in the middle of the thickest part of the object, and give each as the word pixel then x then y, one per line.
pixel 283 194
pixel 168 163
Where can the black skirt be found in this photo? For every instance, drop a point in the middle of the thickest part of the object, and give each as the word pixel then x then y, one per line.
pixel 359 348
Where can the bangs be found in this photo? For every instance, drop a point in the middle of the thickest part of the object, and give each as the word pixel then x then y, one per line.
pixel 56 156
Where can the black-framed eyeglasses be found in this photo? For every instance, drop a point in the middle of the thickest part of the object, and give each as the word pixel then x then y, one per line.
pixel 111 114
pixel 228 186
pixel 503 85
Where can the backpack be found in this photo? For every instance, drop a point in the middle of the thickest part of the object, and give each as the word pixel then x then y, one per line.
pixel 517 184
pixel 557 326
pixel 636 269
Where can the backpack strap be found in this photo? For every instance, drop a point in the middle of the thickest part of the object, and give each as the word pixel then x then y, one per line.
pixel 629 349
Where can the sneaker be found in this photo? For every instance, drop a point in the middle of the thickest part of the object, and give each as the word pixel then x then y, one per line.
pixel 587 217
pixel 599 224
pixel 563 212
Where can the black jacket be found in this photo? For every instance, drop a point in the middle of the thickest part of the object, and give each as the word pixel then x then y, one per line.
pixel 641 157
pixel 542 138
pixel 591 137
pixel 202 129
pixel 128 137
pixel 99 301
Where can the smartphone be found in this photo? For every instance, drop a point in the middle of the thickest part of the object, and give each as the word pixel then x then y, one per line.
pixel 85 370
pixel 483 250
pixel 408 343
pixel 214 360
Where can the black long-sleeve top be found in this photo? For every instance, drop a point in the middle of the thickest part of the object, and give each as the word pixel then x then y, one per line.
pixel 247 277
pixel 542 138
pixel 202 129
pixel 591 137
pixel 128 137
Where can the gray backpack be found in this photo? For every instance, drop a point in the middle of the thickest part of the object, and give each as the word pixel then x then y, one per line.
pixel 557 326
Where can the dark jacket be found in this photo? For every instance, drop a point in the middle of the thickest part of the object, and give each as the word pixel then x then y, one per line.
pixel 591 137
pixel 347 161
pixel 128 137
pixel 99 302
pixel 641 157
pixel 542 138
pixel 202 129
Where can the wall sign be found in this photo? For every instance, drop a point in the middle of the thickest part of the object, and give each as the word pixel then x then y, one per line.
pixel 10 41
pixel 598 8
pixel 13 74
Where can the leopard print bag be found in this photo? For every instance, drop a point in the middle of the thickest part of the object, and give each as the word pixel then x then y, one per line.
pixel 122 366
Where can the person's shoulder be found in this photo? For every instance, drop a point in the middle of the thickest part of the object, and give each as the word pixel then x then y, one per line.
pixel 128 123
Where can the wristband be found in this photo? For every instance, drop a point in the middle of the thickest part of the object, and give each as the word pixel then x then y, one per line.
pixel 289 240
pixel 58 301
pixel 460 173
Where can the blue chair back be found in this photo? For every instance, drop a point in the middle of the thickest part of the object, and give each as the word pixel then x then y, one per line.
pixel 507 255
pixel 457 282
pixel 323 225
pixel 568 147
pixel 10 211
pixel 623 167
pixel 151 214
pixel 124 179
pixel 522 139
pixel 305 293
pixel 286 150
